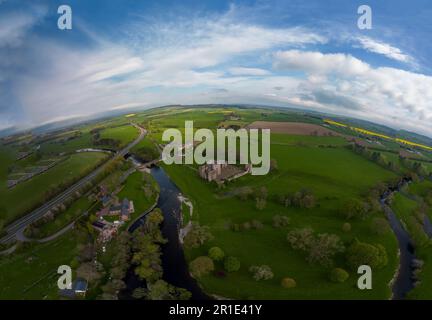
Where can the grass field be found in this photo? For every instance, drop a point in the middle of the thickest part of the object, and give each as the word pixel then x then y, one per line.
pixel 16 201
pixel 322 164
pixel 134 190
pixel 32 274
pixel 63 219
pixel 334 174
pixel 125 134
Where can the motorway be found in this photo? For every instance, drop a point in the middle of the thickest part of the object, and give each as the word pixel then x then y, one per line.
pixel 20 224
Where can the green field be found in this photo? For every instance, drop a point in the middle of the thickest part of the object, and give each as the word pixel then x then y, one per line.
pixel 32 273
pixel 124 134
pixel 27 195
pixel 333 174
pixel 134 191
pixel 326 166
pixel 77 209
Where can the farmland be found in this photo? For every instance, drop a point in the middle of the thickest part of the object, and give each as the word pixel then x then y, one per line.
pixel 332 166
pixel 27 195
pixel 333 175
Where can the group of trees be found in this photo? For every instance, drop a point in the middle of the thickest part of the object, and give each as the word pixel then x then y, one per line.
pixel 162 290
pixel 361 253
pixel 119 266
pixel 98 141
pixel 147 153
pixel 204 265
pixel 248 225
pixel 319 248
pixel 259 195
pixel 375 156
pixel 197 235
pixel 146 248
pixel 280 221
pixel 300 199
pixel 146 256
pixel 34 231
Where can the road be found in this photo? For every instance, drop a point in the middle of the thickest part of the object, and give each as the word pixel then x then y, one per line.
pixel 20 224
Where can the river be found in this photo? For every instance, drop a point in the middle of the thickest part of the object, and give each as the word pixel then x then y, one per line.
pixel 404 279
pixel 175 267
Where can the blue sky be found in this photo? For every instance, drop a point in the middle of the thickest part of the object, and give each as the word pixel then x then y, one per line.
pixel 130 54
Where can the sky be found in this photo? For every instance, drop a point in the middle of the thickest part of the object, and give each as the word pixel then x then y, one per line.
pixel 308 54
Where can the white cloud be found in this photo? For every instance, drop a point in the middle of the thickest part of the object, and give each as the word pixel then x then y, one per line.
pixel 15 25
pixel 385 49
pixel 318 63
pixel 202 62
pixel 346 85
pixel 241 71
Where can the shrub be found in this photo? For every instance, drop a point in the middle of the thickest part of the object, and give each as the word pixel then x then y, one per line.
pixel 201 266
pixel 380 226
pixel 197 236
pixel 216 254
pixel 338 275
pixel 246 225
pixel 263 272
pixel 288 283
pixel 360 253
pixel 231 264
pixel 354 208
pixel 346 227
pixel 257 225
pixel 319 248
pixel 260 203
pixel 280 221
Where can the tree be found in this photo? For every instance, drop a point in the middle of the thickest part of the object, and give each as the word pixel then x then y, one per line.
pixel 161 290
pixel 86 252
pixel 201 266
pixel 244 193
pixel 89 272
pixel 113 286
pixel 257 225
pixel 323 248
pixel 380 226
pixel 300 239
pixel 288 283
pixel 319 248
pixel 361 253
pixel 158 290
pixel 280 221
pixel 338 275
pixel 139 293
pixel 263 272
pixel 346 227
pixel 354 208
pixel 273 165
pixel 260 203
pixel 216 254
pixel 146 257
pixel 197 236
pixel 231 264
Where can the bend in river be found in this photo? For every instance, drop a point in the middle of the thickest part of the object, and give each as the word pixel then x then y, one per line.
pixel 175 267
